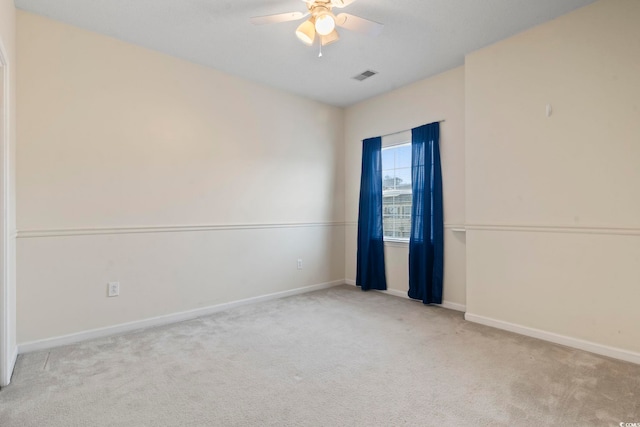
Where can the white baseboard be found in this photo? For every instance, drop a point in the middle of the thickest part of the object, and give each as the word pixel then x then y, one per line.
pixel 396 293
pixel 454 306
pixel 616 353
pixel 48 343
pixel 401 294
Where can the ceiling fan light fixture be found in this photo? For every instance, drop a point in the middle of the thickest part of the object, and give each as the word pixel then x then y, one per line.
pixel 321 25
pixel 329 38
pixel 306 32
pixel 325 23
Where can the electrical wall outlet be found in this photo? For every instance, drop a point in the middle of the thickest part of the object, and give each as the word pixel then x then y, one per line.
pixel 113 289
pixel 299 263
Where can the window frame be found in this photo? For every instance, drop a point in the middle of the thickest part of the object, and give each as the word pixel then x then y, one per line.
pixel 396 141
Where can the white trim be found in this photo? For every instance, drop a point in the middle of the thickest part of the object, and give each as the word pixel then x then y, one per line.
pixel 163 320
pixel 396 139
pixel 12 363
pixel 355 223
pixel 396 293
pixel 397 243
pixel 7 354
pixel 445 304
pixel 625 231
pixel 604 350
pixel 25 234
pixel 454 306
pixel 454 226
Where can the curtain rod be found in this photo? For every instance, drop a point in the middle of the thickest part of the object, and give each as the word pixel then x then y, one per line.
pixel 407 130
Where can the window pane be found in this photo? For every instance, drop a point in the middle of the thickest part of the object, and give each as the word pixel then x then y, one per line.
pixel 396 192
pixel 388 180
pixel 403 156
pixel 387 159
pixel 403 178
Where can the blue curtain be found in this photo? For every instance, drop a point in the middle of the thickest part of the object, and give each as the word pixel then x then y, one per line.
pixel 370 272
pixel 426 244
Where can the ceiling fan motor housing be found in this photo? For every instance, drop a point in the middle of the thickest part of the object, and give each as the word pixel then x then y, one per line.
pixel 322 23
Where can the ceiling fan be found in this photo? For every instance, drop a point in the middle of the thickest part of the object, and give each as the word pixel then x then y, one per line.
pixel 323 22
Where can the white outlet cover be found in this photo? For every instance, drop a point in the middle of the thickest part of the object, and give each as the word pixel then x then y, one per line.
pixel 113 289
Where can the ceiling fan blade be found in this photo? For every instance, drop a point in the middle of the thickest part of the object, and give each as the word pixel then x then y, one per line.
pixel 329 38
pixel 357 24
pixel 341 3
pixel 280 17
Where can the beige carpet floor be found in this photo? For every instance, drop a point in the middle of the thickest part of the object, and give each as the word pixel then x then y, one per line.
pixel 338 357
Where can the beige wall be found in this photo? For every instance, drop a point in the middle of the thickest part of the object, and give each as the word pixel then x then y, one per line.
pixel 438 98
pixel 8 347
pixel 114 136
pixel 547 196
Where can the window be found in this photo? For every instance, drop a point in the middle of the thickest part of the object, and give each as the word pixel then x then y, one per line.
pixel 396 192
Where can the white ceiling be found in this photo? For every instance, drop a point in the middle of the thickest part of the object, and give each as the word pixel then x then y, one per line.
pixel 421 38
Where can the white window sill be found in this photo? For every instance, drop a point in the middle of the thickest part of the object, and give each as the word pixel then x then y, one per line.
pixel 397 243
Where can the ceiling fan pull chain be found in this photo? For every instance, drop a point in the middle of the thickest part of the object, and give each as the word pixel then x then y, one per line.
pixel 320 54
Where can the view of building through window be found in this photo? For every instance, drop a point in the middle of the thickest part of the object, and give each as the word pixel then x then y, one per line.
pixel 396 191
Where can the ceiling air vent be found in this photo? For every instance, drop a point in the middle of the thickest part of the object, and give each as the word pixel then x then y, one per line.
pixel 365 75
